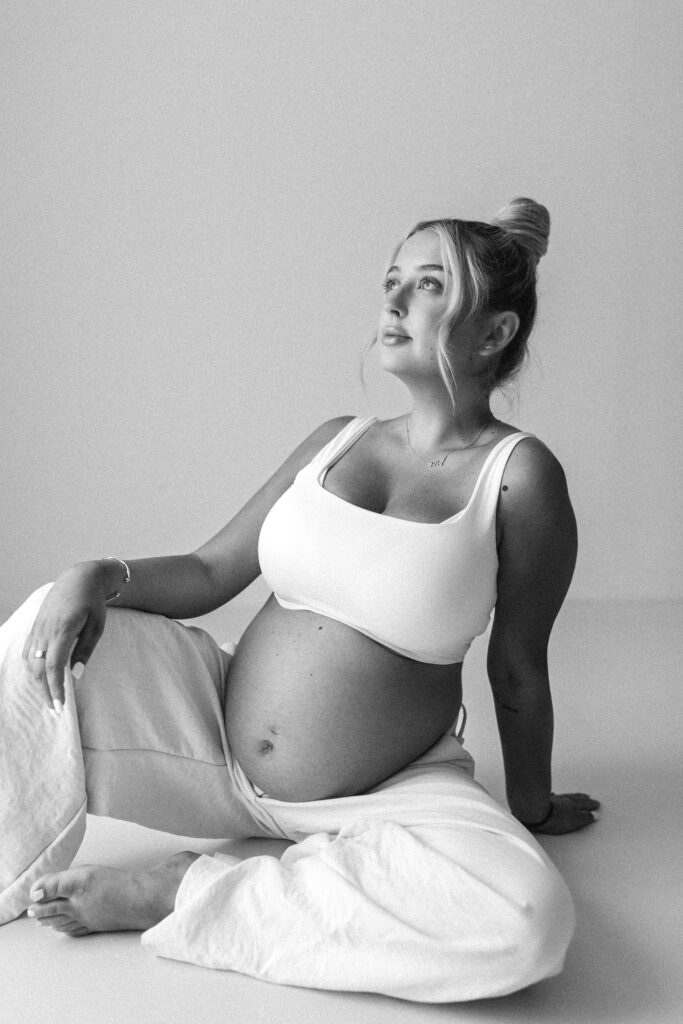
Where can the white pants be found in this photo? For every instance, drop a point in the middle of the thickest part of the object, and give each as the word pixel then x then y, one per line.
pixel 423 888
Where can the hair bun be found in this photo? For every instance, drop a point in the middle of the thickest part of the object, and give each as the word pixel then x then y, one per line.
pixel 528 223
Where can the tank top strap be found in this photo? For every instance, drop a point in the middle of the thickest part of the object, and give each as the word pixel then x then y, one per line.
pixel 488 484
pixel 340 443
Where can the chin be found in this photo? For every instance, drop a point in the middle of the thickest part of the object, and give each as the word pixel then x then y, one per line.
pixel 394 356
pixel 398 350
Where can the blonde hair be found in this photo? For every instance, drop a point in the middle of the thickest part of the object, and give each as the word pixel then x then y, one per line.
pixel 495 267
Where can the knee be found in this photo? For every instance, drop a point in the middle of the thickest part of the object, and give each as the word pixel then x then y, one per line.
pixel 538 936
pixel 527 913
pixel 500 918
pixel 513 942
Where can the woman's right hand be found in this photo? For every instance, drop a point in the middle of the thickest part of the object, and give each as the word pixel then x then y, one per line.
pixel 67 628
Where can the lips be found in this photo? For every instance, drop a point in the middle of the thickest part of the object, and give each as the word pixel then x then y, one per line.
pixel 393 332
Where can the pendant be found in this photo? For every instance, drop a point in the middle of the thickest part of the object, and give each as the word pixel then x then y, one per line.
pixel 437 463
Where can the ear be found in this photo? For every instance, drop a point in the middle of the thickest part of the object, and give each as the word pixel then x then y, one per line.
pixel 500 331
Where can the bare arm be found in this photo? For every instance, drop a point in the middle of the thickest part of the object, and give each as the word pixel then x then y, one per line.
pixel 184 586
pixel 72 616
pixel 537 554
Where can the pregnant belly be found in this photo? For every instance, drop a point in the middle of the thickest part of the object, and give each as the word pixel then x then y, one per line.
pixel 315 709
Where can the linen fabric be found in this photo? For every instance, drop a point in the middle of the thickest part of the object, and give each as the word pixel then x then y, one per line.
pixel 423 888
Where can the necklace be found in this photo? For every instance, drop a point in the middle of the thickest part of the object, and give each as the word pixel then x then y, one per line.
pixel 437 462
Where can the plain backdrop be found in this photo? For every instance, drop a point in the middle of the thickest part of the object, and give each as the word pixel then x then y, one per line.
pixel 198 201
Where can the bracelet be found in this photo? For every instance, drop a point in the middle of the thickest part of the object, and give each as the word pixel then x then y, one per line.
pixel 537 824
pixel 126 569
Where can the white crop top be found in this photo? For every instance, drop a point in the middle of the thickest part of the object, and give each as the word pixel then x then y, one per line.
pixel 425 590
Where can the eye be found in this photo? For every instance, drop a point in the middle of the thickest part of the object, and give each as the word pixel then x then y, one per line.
pixel 431 281
pixel 429 284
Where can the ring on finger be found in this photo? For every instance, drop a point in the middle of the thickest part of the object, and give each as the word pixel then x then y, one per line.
pixel 39 654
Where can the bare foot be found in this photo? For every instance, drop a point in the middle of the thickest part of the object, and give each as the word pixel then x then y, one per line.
pixel 100 899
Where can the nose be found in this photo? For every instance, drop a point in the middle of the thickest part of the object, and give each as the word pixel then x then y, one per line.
pixel 396 300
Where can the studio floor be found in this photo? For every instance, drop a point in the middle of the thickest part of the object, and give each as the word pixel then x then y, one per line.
pixel 617 689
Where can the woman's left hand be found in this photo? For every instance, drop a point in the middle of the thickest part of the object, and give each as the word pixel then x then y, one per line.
pixel 570 812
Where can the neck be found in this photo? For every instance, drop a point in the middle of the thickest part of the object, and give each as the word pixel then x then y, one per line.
pixel 435 424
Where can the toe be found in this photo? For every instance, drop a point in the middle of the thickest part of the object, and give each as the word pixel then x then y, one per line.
pixel 43 911
pixel 45 887
pixel 69 926
pixel 57 921
pixel 59 885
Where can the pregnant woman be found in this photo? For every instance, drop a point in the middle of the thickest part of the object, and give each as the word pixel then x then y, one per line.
pixel 387 545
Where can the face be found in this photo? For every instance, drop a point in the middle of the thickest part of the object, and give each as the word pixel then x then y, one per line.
pixel 414 299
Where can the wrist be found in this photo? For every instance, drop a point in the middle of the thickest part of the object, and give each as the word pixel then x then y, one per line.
pixel 536 822
pixel 108 574
pixel 92 571
pixel 124 579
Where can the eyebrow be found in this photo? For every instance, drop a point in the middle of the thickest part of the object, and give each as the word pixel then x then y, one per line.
pixel 424 266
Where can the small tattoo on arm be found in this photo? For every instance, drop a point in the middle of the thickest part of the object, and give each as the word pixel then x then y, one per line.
pixel 506 707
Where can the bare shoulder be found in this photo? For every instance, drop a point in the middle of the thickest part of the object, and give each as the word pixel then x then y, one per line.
pixel 535 514
pixel 305 451
pixel 537 548
pixel 329 429
pixel 319 437
pixel 533 478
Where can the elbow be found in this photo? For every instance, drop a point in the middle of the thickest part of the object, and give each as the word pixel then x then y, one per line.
pixel 519 686
pixel 202 565
pixel 205 583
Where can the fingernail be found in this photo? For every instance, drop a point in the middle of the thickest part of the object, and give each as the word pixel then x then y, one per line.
pixel 58 706
pixel 30 912
pixel 78 670
pixel 36 895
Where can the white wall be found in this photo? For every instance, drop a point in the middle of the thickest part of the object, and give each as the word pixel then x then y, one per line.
pixel 198 200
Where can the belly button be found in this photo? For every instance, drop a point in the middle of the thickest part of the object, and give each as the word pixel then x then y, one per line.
pixel 266 746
